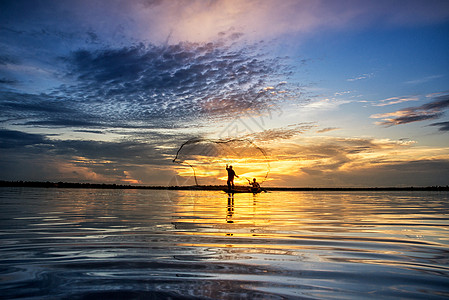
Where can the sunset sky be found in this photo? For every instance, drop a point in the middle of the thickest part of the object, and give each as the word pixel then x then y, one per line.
pixel 296 93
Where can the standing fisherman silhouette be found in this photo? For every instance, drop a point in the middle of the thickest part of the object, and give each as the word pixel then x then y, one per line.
pixel 231 174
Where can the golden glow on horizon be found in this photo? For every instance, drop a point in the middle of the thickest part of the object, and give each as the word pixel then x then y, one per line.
pixel 309 161
pixel 129 179
pixel 300 160
pixel 245 168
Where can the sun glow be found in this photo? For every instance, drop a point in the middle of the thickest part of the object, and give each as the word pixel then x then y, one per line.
pixel 214 172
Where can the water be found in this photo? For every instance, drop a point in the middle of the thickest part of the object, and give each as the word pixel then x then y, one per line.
pixel 149 244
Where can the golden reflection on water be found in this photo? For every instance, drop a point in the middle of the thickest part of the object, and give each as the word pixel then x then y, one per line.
pixel 221 213
pixel 327 214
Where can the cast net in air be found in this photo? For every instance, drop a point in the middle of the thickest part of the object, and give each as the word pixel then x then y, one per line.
pixel 205 160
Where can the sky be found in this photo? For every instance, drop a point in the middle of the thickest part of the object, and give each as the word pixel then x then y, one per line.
pixel 296 93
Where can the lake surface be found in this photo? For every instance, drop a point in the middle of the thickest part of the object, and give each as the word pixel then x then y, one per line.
pixel 151 244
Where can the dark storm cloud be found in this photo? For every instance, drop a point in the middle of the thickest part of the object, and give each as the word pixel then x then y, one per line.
pixel 428 111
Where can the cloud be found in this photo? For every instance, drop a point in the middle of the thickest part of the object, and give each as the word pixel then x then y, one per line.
pixel 169 72
pixel 396 100
pixel 296 160
pixel 327 129
pixel 26 156
pixel 44 110
pixel 30 104
pixel 273 134
pixel 197 21
pixel 333 161
pixel 270 19
pixel 324 151
pixel 428 111
pixel 174 82
pixel 13 139
pixel 425 172
pixel 89 131
pixel 300 157
pixel 342 93
pixel 169 85
pixel 7 59
pixel 360 77
pixel 424 79
pixel 444 126
pixel 8 82
pixel 325 104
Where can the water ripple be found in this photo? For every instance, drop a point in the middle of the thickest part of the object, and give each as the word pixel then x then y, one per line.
pixel 101 244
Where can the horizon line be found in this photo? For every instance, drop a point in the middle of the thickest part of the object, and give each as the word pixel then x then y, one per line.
pixel 60 184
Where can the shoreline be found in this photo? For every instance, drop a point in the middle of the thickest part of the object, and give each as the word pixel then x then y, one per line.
pixel 47 184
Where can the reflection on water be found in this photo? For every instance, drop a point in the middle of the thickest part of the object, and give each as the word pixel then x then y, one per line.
pixel 230 206
pixel 140 244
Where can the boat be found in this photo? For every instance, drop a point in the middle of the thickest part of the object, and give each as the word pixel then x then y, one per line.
pixel 243 189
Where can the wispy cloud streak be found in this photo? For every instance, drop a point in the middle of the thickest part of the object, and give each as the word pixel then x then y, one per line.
pixel 360 77
pixel 396 100
pixel 428 111
pixel 444 126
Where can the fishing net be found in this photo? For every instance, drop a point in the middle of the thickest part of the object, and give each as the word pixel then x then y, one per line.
pixel 206 159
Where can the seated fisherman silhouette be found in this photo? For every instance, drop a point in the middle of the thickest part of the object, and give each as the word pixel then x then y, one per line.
pixel 231 175
pixel 255 186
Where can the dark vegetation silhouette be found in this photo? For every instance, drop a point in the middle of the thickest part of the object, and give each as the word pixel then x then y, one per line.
pixel 48 184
